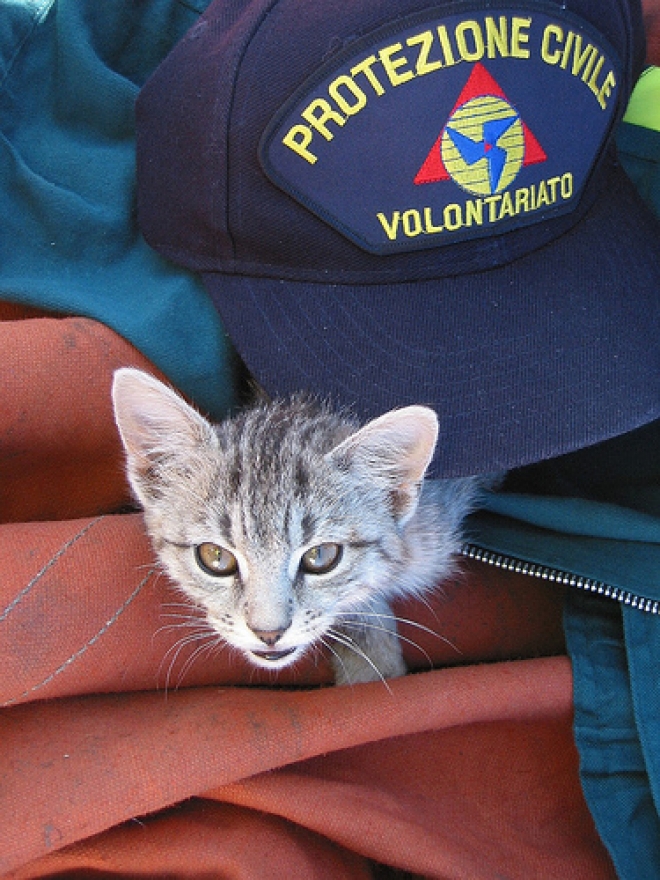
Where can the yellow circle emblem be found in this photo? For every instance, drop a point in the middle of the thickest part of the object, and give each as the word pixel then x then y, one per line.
pixel 483 145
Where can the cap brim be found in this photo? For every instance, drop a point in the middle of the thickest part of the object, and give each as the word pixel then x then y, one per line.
pixel 553 352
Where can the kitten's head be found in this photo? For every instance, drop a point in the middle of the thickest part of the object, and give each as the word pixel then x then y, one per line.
pixel 280 521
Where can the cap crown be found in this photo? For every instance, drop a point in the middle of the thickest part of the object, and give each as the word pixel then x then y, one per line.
pixel 223 128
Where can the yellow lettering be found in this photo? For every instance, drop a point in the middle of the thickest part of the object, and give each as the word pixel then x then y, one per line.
pixel 475 52
pixel 587 64
pixel 447 52
pixel 594 76
pixel 425 42
pixel 474 212
pixel 497 36
pixel 542 195
pixel 412 223
pixel 298 139
pixel 606 89
pixel 366 67
pixel 453 217
pixel 593 82
pixel 520 36
pixel 552 183
pixel 506 208
pixel 590 63
pixel 392 65
pixel 522 200
pixel 492 201
pixel 390 226
pixel 325 114
pixel 567 50
pixel 429 227
pixel 357 93
pixel 580 57
pixel 551 56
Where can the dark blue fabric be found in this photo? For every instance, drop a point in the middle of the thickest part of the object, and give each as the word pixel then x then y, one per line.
pixel 533 342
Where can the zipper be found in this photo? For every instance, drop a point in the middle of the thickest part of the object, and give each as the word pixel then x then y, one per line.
pixel 558 576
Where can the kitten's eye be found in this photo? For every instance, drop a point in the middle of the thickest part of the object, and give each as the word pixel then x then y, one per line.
pixel 320 559
pixel 215 560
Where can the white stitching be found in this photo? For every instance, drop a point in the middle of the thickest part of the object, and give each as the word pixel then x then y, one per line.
pixel 51 562
pixel 75 656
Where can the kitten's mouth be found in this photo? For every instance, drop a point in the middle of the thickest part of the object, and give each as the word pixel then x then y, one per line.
pixel 274 656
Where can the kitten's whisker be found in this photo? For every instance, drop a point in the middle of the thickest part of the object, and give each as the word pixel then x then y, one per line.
pixel 327 644
pixel 190 614
pixel 184 623
pixel 316 652
pixel 403 620
pixel 153 565
pixel 420 597
pixel 156 570
pixel 187 605
pixel 426 603
pixel 187 621
pixel 173 627
pixel 175 651
pixel 401 638
pixel 185 666
pixel 395 617
pixel 186 614
pixel 206 646
pixel 189 639
pixel 417 647
pixel 187 610
pixel 348 642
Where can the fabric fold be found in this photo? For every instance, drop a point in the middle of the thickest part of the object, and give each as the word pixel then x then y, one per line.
pixel 87 764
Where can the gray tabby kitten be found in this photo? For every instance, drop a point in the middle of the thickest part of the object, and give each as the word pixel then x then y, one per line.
pixel 289 524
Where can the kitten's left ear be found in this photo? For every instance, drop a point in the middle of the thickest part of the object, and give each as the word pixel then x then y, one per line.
pixel 395 449
pixel 152 418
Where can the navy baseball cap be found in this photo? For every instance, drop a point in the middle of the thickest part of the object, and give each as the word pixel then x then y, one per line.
pixel 392 202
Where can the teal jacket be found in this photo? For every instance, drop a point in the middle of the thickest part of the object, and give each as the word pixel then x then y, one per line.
pixel 600 536
pixel 70 241
pixel 591 521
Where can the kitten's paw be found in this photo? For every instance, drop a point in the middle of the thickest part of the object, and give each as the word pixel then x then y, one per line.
pixel 351 668
pixel 368 647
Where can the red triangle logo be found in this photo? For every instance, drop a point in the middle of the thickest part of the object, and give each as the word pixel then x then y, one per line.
pixel 479 83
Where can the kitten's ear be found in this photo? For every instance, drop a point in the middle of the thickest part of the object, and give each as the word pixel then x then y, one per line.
pixel 394 449
pixel 154 421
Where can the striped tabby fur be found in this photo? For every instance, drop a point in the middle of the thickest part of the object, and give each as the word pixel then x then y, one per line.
pixel 291 525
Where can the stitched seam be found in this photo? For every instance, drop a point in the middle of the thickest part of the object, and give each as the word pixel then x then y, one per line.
pixel 51 562
pixel 79 653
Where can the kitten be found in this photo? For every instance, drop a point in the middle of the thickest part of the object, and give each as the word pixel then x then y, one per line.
pixel 291 525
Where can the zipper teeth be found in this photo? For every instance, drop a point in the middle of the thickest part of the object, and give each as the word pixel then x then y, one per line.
pixel 555 575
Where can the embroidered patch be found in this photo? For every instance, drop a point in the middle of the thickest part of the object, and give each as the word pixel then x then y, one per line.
pixel 482 125
pixel 443 128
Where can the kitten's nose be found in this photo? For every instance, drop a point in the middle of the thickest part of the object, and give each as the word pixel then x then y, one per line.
pixel 269 637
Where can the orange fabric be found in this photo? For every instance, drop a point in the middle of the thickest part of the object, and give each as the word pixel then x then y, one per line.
pixel 126 753
pixel 58 457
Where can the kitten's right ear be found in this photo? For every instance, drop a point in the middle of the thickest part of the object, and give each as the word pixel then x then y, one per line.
pixel 153 420
pixel 394 449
